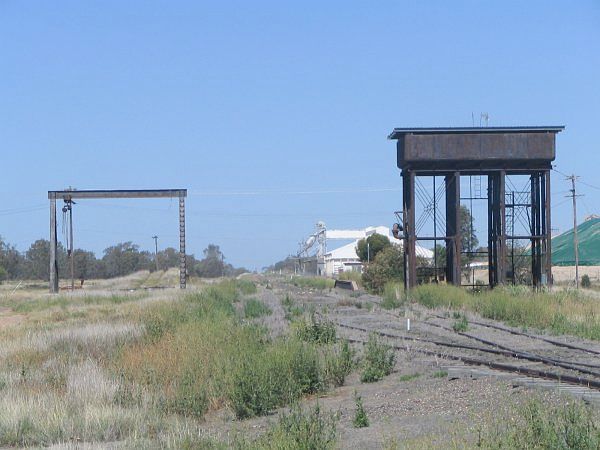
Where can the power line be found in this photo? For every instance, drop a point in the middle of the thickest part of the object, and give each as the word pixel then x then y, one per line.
pixel 293 192
pixel 590 185
pixel 22 210
pixel 569 176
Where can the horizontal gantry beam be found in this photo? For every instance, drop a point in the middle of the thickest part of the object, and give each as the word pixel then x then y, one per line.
pixel 127 193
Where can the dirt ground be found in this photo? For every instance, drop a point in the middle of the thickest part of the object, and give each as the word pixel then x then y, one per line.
pixel 565 274
pixel 443 405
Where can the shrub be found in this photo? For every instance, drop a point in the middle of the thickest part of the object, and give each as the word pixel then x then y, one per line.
pixel 379 360
pixel 339 364
pixel 387 266
pixel 266 380
pixel 585 281
pixel 255 308
pixel 360 416
pixel 302 430
pixel 461 324
pixel 318 332
pixel 572 426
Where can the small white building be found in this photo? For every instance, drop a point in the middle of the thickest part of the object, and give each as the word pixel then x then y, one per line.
pixel 345 259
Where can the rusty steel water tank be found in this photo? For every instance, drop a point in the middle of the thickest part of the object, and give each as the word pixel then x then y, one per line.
pixel 475 147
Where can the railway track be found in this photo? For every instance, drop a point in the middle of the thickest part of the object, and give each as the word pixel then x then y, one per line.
pixel 492 355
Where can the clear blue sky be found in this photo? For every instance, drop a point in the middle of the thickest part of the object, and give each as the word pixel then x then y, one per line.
pixel 273 98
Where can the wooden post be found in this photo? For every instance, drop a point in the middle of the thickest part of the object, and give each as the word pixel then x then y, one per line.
pixel 182 262
pixel 53 243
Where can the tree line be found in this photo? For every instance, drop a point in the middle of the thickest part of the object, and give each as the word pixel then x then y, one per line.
pixel 118 260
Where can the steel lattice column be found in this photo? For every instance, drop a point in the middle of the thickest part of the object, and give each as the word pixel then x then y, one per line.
pixel 182 265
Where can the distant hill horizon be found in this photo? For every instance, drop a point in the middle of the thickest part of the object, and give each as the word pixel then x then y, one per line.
pixel 588 234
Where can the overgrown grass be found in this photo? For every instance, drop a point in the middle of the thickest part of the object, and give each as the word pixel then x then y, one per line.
pixel 537 426
pixel 409 377
pixel 246 287
pixel 292 310
pixel 351 276
pixel 145 373
pixel 564 312
pixel 46 302
pixel 191 360
pixel 392 296
pixel 299 429
pixel 254 308
pixel 313 282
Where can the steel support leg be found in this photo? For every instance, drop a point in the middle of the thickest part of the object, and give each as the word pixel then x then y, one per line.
pixel 536 230
pixel 410 257
pixel 547 229
pixel 53 244
pixel 492 238
pixel 453 234
pixel 501 239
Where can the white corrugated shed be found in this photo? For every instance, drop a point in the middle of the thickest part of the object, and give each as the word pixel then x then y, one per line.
pixel 344 258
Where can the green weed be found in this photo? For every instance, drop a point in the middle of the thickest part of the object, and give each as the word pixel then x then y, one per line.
pixel 361 420
pixel 461 325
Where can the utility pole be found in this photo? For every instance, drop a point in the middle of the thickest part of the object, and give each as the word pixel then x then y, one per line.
pixel 155 251
pixel 575 240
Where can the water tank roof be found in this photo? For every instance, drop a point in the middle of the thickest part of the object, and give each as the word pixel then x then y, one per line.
pixel 399 132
